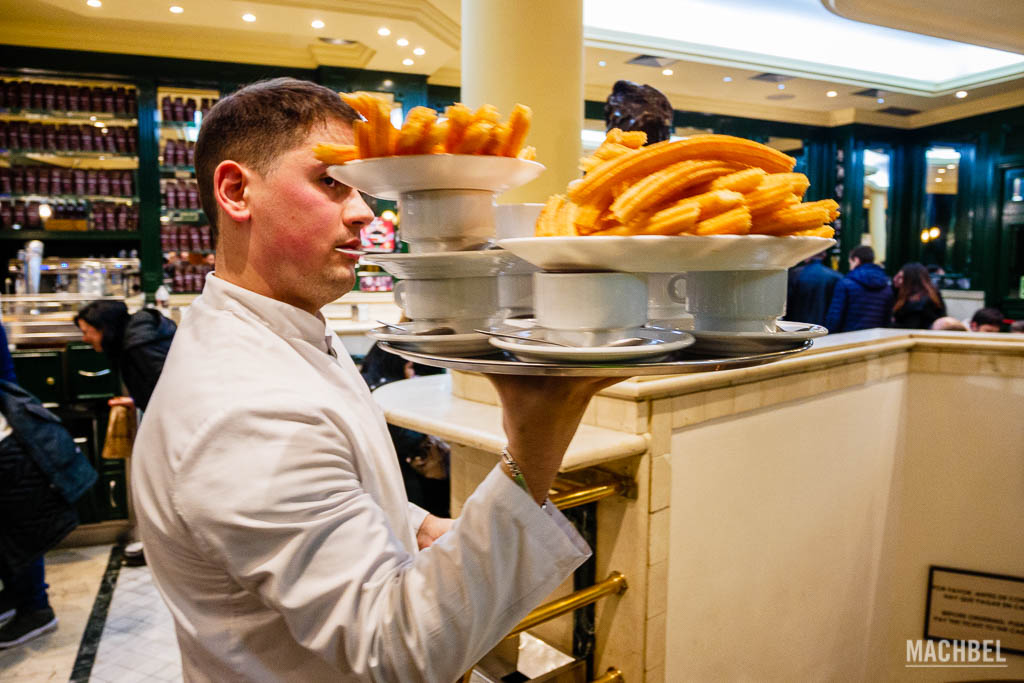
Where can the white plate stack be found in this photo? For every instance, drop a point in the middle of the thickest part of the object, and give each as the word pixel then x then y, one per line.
pixel 450 278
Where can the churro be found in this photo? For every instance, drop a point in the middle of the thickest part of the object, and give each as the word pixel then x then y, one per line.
pixel 791 219
pixel 603 180
pixel 333 153
pixel 741 181
pixel 732 222
pixel 662 187
pixel 462 132
pixel 704 185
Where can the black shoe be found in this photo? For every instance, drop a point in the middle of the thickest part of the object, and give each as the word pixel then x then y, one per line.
pixel 134 555
pixel 27 625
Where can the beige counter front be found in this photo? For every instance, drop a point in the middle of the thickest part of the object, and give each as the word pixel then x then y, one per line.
pixel 785 516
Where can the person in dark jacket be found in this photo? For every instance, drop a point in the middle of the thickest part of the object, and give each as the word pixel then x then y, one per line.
pixel 42 474
pixel 811 291
pixel 136 345
pixel 422 458
pixel 864 298
pixel 918 303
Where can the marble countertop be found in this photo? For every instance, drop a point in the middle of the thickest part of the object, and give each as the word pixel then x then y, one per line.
pixel 426 404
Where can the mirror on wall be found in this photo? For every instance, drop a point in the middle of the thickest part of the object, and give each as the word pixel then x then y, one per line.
pixel 942 226
pixel 877 173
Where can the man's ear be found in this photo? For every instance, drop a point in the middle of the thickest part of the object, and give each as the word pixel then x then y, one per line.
pixel 230 184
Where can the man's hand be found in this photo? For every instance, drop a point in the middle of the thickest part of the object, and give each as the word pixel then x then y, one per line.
pixel 540 416
pixel 431 530
pixel 121 401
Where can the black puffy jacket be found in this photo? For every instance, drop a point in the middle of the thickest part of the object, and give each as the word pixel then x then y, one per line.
pixel 42 474
pixel 147 339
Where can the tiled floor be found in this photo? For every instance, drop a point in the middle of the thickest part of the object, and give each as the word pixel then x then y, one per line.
pixel 137 641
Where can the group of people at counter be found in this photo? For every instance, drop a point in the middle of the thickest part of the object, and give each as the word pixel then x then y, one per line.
pixel 867 298
pixel 266 484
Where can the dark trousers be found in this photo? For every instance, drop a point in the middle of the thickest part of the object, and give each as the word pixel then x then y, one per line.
pixel 27 590
pixel 33 518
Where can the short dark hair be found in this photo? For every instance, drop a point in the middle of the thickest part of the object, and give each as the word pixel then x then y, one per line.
pixel 110 318
pixel 987 316
pixel 863 253
pixel 258 123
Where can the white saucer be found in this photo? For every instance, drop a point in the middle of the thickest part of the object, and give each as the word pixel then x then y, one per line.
pixel 444 265
pixel 790 335
pixel 662 342
pixel 665 253
pixel 388 177
pixel 465 344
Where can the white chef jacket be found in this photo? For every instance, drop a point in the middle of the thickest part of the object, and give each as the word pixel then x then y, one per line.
pixel 271 505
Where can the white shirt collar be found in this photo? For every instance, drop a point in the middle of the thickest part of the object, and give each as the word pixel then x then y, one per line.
pixel 284 319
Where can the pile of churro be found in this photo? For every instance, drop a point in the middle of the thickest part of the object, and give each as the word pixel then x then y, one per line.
pixel 702 185
pixel 461 131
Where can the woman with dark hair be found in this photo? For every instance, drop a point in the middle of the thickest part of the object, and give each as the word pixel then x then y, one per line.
pixel 135 344
pixel 137 347
pixel 918 303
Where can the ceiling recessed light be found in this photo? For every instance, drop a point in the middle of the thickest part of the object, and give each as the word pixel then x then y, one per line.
pixel 94 3
pixel 727 79
pixel 880 100
pixel 961 94
pixel 781 86
pixel 666 72
pixel 831 93
pixel 408 62
pixel 950 166
pixel 317 23
pixel 419 52
pixel 401 42
pixel 602 63
pixel 249 17
pixel 387 83
pixel 942 170
pixel 176 9
pixel 938 180
pixel 383 31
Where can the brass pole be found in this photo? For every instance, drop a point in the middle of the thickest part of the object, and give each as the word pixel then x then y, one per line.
pixel 612 675
pixel 575 497
pixel 615 583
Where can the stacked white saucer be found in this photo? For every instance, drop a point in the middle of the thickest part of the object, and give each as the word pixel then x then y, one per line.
pixel 450 277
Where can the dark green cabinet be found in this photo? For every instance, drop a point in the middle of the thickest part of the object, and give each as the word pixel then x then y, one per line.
pixel 76 383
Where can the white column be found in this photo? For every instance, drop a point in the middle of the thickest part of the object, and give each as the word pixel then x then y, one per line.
pixel 531 52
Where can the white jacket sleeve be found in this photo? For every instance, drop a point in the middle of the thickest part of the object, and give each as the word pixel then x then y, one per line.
pixel 277 500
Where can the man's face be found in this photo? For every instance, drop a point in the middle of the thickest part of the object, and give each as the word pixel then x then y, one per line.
pixel 91 336
pixel 984 327
pixel 303 221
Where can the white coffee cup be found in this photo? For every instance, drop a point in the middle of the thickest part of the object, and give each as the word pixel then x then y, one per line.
pixel 446 220
pixel 453 299
pixel 516 220
pixel 589 309
pixel 666 295
pixel 737 300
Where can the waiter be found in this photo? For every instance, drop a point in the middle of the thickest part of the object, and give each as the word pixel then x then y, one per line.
pixel 270 500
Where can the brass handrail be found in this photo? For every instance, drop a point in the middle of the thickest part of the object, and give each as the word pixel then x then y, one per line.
pixel 574 497
pixel 615 583
pixel 579 488
pixel 612 675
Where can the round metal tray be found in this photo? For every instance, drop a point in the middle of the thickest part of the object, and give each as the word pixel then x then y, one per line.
pixel 681 362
